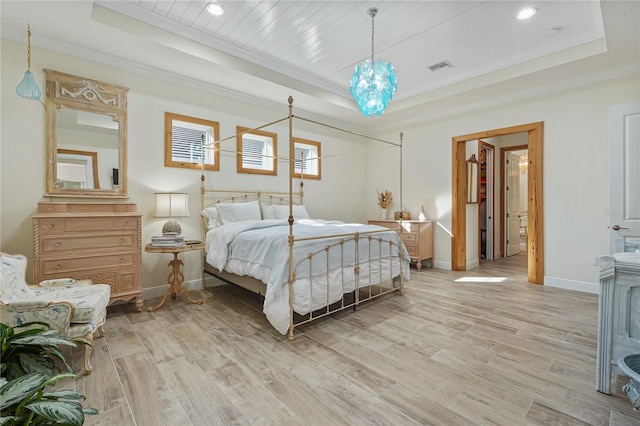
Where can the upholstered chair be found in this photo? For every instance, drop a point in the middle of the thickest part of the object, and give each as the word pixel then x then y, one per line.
pixel 77 309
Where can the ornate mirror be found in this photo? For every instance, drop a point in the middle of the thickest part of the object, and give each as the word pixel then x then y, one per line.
pixel 86 137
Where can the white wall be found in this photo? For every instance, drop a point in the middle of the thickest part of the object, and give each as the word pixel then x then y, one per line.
pixel 340 194
pixel 575 178
pixel 575 162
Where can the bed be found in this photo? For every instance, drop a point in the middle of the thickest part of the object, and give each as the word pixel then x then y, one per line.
pixel 306 268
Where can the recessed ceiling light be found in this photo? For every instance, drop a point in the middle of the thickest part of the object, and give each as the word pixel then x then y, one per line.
pixel 215 9
pixel 553 31
pixel 526 13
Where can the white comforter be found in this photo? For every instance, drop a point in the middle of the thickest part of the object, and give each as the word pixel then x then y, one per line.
pixel 260 249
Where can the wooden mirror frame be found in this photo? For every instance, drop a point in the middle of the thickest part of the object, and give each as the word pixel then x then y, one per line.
pixel 472 180
pixel 81 94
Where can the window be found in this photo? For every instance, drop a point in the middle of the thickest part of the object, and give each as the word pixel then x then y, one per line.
pixel 257 151
pixel 307 162
pixel 183 142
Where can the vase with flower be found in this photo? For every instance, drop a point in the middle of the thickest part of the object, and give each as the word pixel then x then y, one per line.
pixel 384 201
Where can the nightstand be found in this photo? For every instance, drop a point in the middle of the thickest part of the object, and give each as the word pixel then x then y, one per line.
pixel 176 277
pixel 417 236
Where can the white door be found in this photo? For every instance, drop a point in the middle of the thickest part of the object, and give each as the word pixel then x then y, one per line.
pixel 512 208
pixel 624 171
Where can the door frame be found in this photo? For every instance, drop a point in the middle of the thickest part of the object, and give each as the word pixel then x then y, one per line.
pixel 535 243
pixel 503 225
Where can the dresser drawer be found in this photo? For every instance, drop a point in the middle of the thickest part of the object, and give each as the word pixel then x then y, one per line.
pixel 122 281
pixel 412 227
pixel 84 224
pixel 409 237
pixel 412 249
pixel 120 240
pixel 72 266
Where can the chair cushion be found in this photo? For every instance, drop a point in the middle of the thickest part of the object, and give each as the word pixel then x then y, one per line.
pixel 13 286
pixel 89 301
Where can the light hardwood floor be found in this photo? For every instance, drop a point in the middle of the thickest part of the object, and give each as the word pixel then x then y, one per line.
pixel 476 351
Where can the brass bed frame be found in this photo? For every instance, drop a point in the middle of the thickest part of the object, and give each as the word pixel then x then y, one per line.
pixel 362 292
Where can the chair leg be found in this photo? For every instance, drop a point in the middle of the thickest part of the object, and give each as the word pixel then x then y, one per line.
pixel 87 352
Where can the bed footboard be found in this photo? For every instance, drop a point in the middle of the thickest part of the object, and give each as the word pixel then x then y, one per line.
pixel 370 265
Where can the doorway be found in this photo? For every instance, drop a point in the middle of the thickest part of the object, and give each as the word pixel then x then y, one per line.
pixel 486 199
pixel 535 243
pixel 514 163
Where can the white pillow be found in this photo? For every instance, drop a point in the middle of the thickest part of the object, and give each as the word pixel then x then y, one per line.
pixel 282 212
pixel 237 212
pixel 212 217
pixel 267 211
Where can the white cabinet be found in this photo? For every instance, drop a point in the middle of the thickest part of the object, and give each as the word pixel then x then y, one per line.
pixel 618 314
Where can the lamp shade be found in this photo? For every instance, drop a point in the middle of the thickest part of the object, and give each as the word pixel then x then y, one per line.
pixel 28 88
pixel 172 204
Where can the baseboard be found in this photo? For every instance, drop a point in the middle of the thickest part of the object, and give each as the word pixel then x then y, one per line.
pixel 439 264
pixel 152 292
pixel 473 264
pixel 571 285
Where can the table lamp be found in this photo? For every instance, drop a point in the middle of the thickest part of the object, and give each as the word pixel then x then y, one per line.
pixel 172 204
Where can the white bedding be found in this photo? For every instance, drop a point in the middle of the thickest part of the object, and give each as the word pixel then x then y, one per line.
pixel 260 249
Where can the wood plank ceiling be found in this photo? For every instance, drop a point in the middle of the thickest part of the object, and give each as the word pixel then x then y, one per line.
pixel 320 42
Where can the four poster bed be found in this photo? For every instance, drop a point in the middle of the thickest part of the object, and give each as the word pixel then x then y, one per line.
pixel 305 268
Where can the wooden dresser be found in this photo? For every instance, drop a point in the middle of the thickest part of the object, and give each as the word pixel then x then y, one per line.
pixel 417 236
pixel 97 241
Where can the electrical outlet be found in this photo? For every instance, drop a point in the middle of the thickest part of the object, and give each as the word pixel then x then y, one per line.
pixel 596 260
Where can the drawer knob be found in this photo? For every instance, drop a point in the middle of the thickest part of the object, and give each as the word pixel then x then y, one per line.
pixel 121 240
pixel 58 244
pixel 57 266
pixel 121 260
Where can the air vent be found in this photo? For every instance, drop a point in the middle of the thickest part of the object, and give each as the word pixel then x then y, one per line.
pixel 440 65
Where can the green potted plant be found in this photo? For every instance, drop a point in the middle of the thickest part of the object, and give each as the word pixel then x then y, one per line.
pixel 28 365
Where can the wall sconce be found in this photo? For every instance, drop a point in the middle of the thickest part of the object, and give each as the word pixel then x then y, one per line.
pixel 172 204
pixel 28 88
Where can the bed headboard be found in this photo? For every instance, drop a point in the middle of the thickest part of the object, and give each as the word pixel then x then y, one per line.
pixel 214 196
pixel 210 197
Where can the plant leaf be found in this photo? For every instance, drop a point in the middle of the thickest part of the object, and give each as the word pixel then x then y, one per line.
pixel 32 363
pixel 5 331
pixel 64 394
pixel 9 420
pixel 58 377
pixel 16 390
pixel 90 411
pixel 56 353
pixel 43 340
pixel 59 411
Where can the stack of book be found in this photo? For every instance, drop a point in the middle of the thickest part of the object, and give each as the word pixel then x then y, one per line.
pixel 167 240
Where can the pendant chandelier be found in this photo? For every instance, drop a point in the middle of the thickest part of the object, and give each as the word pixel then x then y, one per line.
pixel 374 82
pixel 28 88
